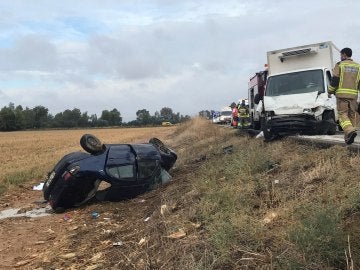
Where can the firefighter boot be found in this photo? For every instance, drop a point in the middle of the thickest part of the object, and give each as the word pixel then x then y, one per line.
pixel 349 138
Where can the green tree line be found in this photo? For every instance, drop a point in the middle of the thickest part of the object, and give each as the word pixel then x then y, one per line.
pixel 17 118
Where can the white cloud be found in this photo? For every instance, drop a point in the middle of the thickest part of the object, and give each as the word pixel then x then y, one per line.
pixel 130 55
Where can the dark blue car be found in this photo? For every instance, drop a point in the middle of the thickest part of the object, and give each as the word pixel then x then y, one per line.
pixel 129 170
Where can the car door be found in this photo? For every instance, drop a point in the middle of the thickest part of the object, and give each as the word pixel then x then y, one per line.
pixel 120 165
pixel 148 164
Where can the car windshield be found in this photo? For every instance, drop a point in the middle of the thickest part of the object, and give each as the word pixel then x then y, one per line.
pixel 296 83
pixel 226 113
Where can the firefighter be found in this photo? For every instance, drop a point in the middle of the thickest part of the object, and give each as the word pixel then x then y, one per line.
pixel 243 114
pixel 345 86
pixel 234 115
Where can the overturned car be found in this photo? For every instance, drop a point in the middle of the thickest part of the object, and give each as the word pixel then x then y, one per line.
pixel 129 170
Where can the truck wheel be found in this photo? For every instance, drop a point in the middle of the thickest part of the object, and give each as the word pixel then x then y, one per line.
pixel 329 121
pixel 91 144
pixel 268 135
pixel 256 125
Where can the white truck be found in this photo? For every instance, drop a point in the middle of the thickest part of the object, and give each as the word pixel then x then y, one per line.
pixel 296 99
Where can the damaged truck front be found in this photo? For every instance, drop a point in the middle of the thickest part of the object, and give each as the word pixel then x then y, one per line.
pixel 296 100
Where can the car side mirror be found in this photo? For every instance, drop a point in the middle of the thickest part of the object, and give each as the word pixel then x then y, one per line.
pixel 257 99
pixel 328 75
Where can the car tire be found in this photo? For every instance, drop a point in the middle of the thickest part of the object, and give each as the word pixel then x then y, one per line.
pixel 47 188
pixel 168 156
pixel 160 145
pixel 91 144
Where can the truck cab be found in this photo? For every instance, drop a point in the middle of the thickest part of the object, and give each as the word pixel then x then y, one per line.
pixel 296 99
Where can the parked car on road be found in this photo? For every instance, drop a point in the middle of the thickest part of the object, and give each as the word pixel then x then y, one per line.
pixel 129 169
pixel 225 115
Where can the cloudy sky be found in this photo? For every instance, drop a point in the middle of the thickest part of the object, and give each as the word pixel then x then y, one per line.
pixel 150 54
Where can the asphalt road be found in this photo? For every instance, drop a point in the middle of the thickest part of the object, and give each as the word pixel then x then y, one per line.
pixel 319 140
pixel 337 139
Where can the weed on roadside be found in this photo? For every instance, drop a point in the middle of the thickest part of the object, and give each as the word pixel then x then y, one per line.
pixel 249 198
pixel 319 236
pixel 277 205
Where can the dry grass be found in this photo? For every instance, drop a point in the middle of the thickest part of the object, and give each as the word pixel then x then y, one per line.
pixel 263 206
pixel 198 139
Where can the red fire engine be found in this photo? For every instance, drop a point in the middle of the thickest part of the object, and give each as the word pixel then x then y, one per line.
pixel 256 91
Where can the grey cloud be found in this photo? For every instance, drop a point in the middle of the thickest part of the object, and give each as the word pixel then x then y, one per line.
pixel 2 95
pixel 31 52
pixel 219 52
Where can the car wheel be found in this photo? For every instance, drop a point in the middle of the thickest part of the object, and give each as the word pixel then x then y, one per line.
pixel 160 145
pixel 48 185
pixel 91 144
pixel 168 156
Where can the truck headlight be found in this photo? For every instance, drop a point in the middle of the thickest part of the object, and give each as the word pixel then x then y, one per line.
pixel 270 113
pixel 308 111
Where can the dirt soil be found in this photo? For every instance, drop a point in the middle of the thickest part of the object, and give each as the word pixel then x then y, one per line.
pixel 135 234
pixel 126 235
pixel 164 229
pixel 23 239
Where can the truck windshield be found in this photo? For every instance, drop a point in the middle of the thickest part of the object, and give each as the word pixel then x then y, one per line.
pixel 296 83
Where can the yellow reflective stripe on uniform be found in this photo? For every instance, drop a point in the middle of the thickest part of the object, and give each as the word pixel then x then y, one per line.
pixel 348 64
pixel 347 91
pixel 341 75
pixel 331 89
pixel 350 91
pixel 358 77
pixel 344 124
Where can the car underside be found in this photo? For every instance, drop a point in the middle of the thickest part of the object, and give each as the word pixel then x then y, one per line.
pixel 129 169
